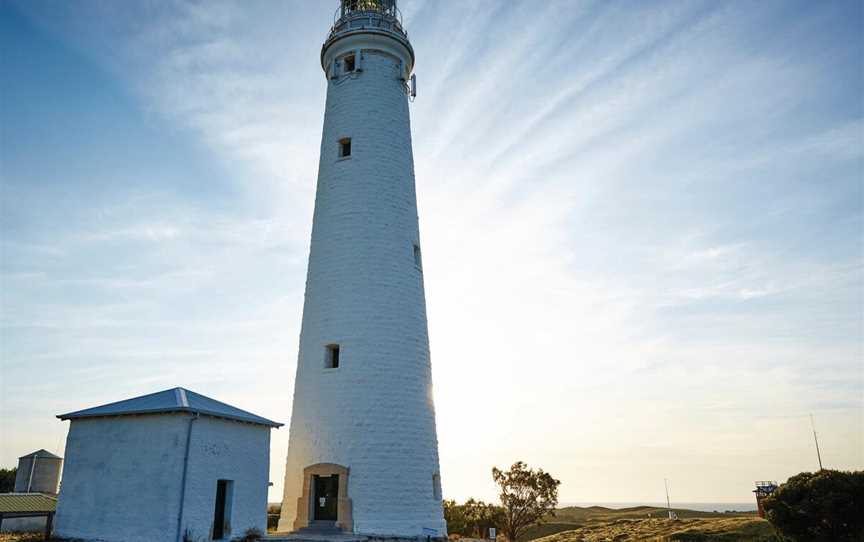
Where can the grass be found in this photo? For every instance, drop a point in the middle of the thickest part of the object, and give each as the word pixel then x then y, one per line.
pixel 754 530
pixel 646 523
pixel 22 537
pixel 636 524
pixel 711 529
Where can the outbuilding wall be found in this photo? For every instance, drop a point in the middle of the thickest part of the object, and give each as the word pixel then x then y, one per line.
pixel 24 525
pixel 43 477
pixel 121 481
pixel 227 450
pixel 123 474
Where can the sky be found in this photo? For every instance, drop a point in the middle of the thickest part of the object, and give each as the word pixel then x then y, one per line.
pixel 642 227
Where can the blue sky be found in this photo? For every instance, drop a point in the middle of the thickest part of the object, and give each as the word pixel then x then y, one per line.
pixel 642 227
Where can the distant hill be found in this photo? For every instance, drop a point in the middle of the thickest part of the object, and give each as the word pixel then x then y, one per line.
pixel 647 518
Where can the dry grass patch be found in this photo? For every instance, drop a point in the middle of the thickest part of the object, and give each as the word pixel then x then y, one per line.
pixel 740 529
pixel 22 537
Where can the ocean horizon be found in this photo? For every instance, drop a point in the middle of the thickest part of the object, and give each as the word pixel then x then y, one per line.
pixel 698 506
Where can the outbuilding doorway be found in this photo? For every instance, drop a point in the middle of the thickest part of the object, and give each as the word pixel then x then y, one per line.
pixel 326 497
pixel 222 512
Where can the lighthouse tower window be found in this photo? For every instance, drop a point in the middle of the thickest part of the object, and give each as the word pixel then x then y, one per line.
pixel 349 63
pixel 418 259
pixel 331 359
pixel 345 147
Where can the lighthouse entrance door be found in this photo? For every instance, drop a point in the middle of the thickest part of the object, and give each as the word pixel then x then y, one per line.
pixel 326 497
pixel 324 501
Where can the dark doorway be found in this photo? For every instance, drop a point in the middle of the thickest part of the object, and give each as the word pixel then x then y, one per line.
pixel 222 513
pixel 326 497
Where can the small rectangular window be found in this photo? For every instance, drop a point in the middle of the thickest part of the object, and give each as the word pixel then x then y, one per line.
pixel 331 360
pixel 418 260
pixel 345 147
pixel 349 63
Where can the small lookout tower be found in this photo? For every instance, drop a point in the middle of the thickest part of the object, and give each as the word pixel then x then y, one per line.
pixel 764 489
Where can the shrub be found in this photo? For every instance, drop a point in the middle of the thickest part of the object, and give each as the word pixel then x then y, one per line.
pixel 251 535
pixel 7 479
pixel 819 507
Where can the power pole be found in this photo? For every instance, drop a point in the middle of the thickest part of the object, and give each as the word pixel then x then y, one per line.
pixel 816 440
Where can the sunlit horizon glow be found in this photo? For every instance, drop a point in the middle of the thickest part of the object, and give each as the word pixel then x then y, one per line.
pixel 641 224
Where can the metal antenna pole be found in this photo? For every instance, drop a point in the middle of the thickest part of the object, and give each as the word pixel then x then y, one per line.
pixel 816 440
pixel 668 505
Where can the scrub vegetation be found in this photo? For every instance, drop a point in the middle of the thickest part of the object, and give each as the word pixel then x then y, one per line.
pixel 597 523
pixel 824 506
pixel 717 529
pixel 7 479
pixel 810 507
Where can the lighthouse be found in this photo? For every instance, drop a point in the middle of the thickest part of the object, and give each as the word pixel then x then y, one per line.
pixel 363 451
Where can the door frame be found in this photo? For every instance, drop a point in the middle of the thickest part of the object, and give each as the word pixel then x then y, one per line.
pixel 227 490
pixel 305 504
pixel 318 479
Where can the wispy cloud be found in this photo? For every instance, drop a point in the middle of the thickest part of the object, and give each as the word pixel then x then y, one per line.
pixel 641 228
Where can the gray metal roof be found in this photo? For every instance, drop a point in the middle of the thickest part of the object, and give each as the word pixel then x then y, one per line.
pixel 26 503
pixel 41 454
pixel 173 400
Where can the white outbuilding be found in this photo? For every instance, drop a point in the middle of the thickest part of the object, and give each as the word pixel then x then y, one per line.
pixel 165 467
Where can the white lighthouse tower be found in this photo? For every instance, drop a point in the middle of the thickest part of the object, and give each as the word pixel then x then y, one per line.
pixel 363 451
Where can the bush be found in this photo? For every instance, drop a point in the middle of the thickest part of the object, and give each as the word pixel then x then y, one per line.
pixel 7 479
pixel 819 507
pixel 251 535
pixel 472 519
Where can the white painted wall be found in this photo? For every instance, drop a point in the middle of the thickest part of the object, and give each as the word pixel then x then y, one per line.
pixel 364 292
pixel 122 477
pixel 38 475
pixel 24 525
pixel 227 450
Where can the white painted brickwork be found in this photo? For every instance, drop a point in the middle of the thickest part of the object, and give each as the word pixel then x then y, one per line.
pixel 374 414
pixel 227 450
pixel 122 477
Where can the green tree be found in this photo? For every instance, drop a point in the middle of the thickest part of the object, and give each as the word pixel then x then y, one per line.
pixel 472 519
pixel 7 479
pixel 481 517
pixel 527 496
pixel 824 506
pixel 454 515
